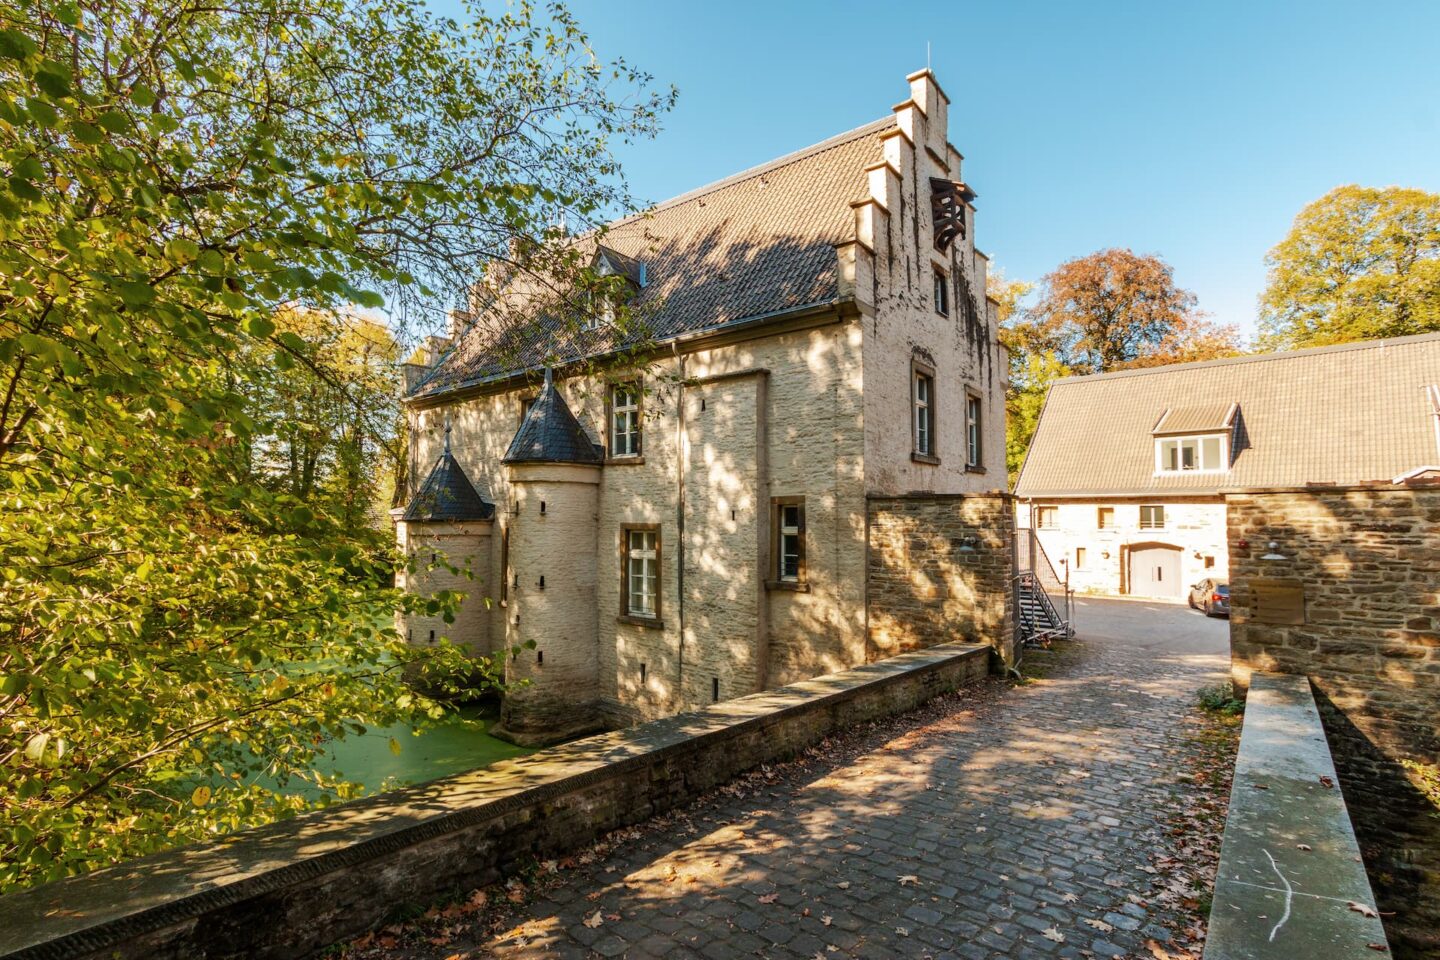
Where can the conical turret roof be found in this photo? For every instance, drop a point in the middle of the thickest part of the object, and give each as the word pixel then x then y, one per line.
pixel 447 495
pixel 550 433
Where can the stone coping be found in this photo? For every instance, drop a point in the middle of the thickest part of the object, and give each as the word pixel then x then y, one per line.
pixel 119 905
pixel 1289 864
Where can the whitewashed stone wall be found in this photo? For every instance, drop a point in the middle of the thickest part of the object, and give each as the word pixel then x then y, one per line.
pixel 1195 525
pixel 453 557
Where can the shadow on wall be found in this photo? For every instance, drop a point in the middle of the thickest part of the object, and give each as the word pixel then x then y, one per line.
pixel 939 572
pixel 1367 563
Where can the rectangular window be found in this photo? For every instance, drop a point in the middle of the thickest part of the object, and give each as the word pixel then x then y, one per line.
pixel 1187 454
pixel 1079 558
pixel 625 420
pixel 504 565
pixel 1105 518
pixel 525 404
pixel 922 396
pixel 1152 517
pixel 640 572
pixel 942 294
pixel 1047 518
pixel 972 431
pixel 788 521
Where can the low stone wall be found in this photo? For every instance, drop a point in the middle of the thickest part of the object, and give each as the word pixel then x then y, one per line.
pixel 1366 562
pixel 939 569
pixel 1289 864
pixel 291 889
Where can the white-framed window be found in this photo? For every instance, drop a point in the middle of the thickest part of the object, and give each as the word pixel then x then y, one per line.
pixel 942 293
pixel 790 539
pixel 641 572
pixel 1200 454
pixel 625 420
pixel 1105 518
pixel 923 392
pixel 1047 518
pixel 972 430
pixel 1152 516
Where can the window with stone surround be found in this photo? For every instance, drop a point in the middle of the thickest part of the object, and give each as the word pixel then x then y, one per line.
pixel 1047 518
pixel 787 543
pixel 922 412
pixel 942 293
pixel 972 431
pixel 640 572
pixel 1080 558
pixel 1105 518
pixel 625 420
pixel 1152 517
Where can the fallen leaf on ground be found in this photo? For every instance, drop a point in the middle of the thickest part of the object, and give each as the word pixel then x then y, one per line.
pixel 1050 933
pixel 1302 846
pixel 1380 947
pixel 594 920
pixel 908 878
pixel 1100 925
pixel 1070 898
pixel 902 931
pixel 827 920
pixel 843 884
pixel 1157 951
pixel 769 897
pixel 1361 909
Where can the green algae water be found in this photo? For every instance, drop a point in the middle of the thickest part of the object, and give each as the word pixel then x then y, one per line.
pixel 455 745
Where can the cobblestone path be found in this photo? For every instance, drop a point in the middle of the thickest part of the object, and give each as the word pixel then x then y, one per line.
pixel 1005 822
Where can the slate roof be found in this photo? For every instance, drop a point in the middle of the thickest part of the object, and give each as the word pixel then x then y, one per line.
pixel 447 495
pixel 757 243
pixel 550 433
pixel 1331 415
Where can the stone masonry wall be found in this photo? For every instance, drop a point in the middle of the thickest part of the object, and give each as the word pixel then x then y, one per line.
pixel 1368 559
pixel 925 587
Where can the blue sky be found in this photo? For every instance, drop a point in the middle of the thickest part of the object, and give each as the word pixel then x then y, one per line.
pixel 1193 130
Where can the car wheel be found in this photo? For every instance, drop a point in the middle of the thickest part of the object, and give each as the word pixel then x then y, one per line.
pixel 1191 601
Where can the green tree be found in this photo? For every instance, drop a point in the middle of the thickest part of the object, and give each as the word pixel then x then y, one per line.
pixel 176 628
pixel 1360 263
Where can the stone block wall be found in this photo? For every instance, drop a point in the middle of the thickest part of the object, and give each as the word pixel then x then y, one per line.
pixel 1368 561
pixel 939 570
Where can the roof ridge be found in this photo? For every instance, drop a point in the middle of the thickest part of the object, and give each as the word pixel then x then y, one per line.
pixel 1251 358
pixel 838 140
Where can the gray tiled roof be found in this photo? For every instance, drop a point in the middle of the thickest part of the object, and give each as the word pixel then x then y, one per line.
pixel 1332 415
pixel 447 495
pixel 550 433
pixel 757 243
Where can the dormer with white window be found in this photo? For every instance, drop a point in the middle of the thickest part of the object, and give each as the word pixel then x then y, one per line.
pixel 609 263
pixel 1195 439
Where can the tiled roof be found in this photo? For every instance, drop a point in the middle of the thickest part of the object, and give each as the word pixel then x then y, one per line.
pixel 1196 418
pixel 447 496
pixel 757 243
pixel 550 433
pixel 1332 415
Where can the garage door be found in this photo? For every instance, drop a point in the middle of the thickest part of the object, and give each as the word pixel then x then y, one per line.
pixel 1155 572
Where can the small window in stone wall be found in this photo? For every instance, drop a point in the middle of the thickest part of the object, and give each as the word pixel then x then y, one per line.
pixel 1152 517
pixel 942 293
pixel 1079 558
pixel 1047 518
pixel 1105 518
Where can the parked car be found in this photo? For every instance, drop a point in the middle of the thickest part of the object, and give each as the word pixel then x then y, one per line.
pixel 1211 596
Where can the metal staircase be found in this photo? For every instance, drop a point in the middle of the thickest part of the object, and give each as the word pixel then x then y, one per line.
pixel 1039 620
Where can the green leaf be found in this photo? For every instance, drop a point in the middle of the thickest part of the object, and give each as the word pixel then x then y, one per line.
pixel 395 747
pixel 15 45
pixel 136 294
pixel 260 327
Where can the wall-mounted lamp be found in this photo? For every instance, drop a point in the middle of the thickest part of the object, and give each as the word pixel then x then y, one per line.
pixel 1274 553
pixel 1104 554
pixel 967 543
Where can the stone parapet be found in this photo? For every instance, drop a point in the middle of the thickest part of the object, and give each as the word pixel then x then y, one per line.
pixel 291 889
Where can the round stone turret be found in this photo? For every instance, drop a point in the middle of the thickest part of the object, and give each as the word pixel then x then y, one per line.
pixel 554 470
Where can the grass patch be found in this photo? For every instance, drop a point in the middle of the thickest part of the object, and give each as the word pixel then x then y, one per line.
pixel 1220 698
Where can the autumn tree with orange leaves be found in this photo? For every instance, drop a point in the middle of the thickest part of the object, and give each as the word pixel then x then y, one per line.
pixel 1116 309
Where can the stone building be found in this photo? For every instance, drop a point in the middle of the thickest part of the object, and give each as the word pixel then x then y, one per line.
pixel 688 522
pixel 1124 479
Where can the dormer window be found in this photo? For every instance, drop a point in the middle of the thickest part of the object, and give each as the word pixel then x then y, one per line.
pixel 1205 454
pixel 1194 439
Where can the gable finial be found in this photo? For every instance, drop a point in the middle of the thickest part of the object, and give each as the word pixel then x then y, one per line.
pixel 549 376
pixel 447 433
